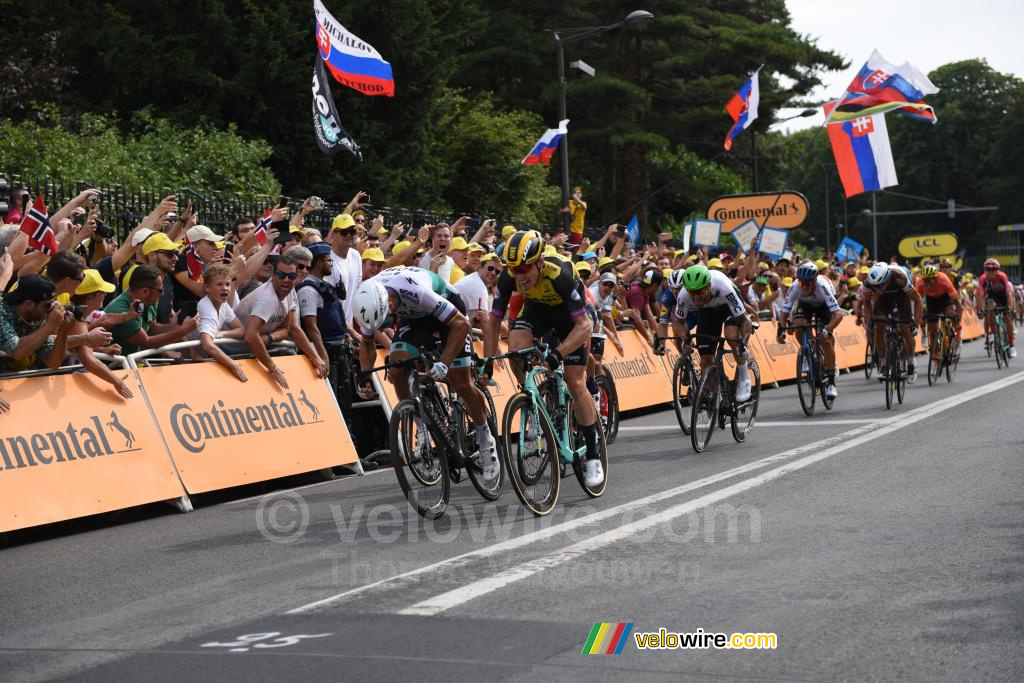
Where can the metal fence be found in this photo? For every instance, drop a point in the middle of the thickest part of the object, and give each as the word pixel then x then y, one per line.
pixel 123 207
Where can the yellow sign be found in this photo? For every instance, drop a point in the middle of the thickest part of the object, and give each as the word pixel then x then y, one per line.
pixel 776 209
pixel 1007 259
pixel 938 244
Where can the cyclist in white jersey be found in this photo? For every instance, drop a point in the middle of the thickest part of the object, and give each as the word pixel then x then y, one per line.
pixel 427 310
pixel 713 298
pixel 814 297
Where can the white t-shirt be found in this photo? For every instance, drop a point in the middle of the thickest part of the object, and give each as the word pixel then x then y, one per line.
pixel 264 304
pixel 213 320
pixel 474 293
pixel 445 270
pixel 348 271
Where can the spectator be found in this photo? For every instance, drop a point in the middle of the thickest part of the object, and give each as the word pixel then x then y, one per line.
pixel 217 320
pixel 641 303
pixel 270 314
pixel 577 209
pixel 29 315
pixel 145 285
pixel 66 270
pixel 373 262
pixel 303 259
pixel 160 252
pixel 476 289
pixel 188 271
pixel 243 232
pixel 88 301
pixel 437 258
pixel 459 252
pixel 347 268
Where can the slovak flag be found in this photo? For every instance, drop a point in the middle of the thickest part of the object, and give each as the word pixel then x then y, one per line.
pixel 261 228
pixel 36 225
pixel 862 152
pixel 353 62
pixel 880 87
pixel 743 108
pixel 546 146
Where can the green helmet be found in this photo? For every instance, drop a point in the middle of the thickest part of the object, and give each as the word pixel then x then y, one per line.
pixel 696 278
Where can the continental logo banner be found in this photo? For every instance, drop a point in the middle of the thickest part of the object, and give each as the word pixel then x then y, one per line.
pixel 71 447
pixel 640 376
pixel 223 433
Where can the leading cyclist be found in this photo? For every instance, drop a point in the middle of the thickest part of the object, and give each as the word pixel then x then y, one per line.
pixel 891 290
pixel 814 297
pixel 427 309
pixel 555 301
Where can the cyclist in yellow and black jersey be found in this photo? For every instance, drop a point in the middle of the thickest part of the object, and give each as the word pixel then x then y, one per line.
pixel 555 302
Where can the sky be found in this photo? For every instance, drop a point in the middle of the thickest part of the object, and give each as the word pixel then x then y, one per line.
pixel 926 33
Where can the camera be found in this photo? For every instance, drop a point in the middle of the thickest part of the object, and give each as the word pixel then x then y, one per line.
pixel 103 230
pixel 78 312
pixel 315 203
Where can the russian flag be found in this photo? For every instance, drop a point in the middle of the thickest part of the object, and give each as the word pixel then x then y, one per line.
pixel 880 87
pixel 743 108
pixel 546 146
pixel 863 155
pixel 353 62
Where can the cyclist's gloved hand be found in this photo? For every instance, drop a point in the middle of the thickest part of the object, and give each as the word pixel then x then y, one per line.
pixel 438 371
pixel 824 334
pixel 781 336
pixel 659 346
pixel 553 359
pixel 488 368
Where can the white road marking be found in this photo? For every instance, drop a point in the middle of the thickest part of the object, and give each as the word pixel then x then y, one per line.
pixel 542 534
pixel 454 598
pixel 784 423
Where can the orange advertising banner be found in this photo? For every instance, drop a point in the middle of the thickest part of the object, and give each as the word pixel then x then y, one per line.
pixel 640 377
pixel 71 447
pixel 223 433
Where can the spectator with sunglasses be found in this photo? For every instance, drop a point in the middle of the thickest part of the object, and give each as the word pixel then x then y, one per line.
pixel 476 289
pixel 347 264
pixel 271 314
pixel 145 285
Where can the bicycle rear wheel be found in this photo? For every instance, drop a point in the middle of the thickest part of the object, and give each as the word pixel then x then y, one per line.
pixel 577 440
pixel 609 405
pixel 742 419
pixel 471 451
pixel 805 378
pixel 684 385
pixel 822 382
pixel 421 464
pixel 704 411
pixel 531 455
pixel 935 359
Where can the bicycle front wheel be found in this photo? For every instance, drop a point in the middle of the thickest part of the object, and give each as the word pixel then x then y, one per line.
pixel 704 411
pixel 952 355
pixel 421 464
pixel 805 381
pixel 531 455
pixel 869 360
pixel 901 375
pixel 935 360
pixel 1000 349
pixel 742 419
pixel 609 405
pixel 683 387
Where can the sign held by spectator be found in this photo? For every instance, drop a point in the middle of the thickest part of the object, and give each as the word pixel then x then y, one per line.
pixel 773 241
pixel 779 209
pixel 746 234
pixel 849 250
pixel 706 233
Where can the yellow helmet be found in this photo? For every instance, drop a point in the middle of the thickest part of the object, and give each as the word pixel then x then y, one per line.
pixel 523 248
pixel 929 271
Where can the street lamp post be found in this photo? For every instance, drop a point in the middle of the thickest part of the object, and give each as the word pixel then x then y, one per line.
pixel 562 37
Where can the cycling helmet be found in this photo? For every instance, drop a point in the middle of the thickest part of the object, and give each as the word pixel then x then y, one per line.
pixel 370 305
pixel 675 280
pixel 523 248
pixel 696 278
pixel 992 263
pixel 807 272
pixel 878 275
pixel 929 271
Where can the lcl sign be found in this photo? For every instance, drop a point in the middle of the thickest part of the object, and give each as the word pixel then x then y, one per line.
pixel 939 244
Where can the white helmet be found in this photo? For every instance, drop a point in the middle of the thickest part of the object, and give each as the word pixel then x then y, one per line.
pixel 675 280
pixel 370 305
pixel 878 275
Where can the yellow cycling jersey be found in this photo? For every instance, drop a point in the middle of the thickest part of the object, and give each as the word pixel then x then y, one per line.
pixel 557 286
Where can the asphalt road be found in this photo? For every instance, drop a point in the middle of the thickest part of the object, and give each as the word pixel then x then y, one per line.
pixel 874 544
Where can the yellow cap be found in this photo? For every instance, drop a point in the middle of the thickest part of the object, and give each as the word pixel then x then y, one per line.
pixel 489 257
pixel 605 260
pixel 400 246
pixel 822 265
pixel 458 243
pixel 222 245
pixel 342 221
pixel 374 254
pixel 94 282
pixel 508 231
pixel 475 247
pixel 853 282
pixel 742 256
pixel 159 241
pixel 680 252
pixel 715 263
pixel 666 272
pixel 787 281
pixel 549 250
pixel 296 230
pixel 762 265
pixel 582 267
pixel 863 270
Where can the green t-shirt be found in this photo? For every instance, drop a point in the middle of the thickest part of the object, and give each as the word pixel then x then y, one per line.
pixel 122 332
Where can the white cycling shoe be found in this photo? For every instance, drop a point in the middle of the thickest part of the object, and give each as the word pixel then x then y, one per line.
pixel 1013 352
pixel 743 387
pixel 488 458
pixel 830 391
pixel 595 474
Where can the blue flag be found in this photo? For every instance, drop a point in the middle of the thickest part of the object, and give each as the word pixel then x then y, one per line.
pixel 633 230
pixel 849 250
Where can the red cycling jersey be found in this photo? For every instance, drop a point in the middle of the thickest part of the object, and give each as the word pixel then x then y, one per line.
pixel 998 285
pixel 936 287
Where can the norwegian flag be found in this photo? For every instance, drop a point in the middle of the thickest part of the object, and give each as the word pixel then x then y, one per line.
pixel 261 228
pixel 36 225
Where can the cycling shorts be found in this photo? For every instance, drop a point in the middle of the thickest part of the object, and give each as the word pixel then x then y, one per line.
pixel 416 335
pixel 540 319
pixel 710 322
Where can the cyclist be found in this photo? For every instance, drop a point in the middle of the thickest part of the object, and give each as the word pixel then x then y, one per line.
pixel 946 268
pixel 995 287
pixel 940 297
pixel 716 301
pixel 890 290
pixel 554 301
pixel 427 309
pixel 667 297
pixel 814 297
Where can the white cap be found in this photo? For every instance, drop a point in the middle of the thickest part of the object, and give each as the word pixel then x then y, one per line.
pixel 201 232
pixel 609 277
pixel 141 236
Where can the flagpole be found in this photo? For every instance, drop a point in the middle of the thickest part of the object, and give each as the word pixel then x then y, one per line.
pixel 874 225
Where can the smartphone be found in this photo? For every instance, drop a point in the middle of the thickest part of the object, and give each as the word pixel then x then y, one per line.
pixel 284 232
pixel 282 202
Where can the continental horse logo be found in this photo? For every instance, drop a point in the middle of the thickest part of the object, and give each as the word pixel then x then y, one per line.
pixel 193 428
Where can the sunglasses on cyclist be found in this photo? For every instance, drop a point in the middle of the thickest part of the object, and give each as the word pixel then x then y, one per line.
pixel 281 275
pixel 520 270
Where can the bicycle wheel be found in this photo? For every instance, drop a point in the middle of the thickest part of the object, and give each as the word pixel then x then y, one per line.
pixel 805 381
pixel 609 406
pixel 531 455
pixel 576 440
pixel 683 386
pixel 704 411
pixel 988 341
pixel 420 463
pixel 822 383
pixel 1000 349
pixel 471 451
pixel 952 355
pixel 901 375
pixel 869 360
pixel 742 419
pixel 935 360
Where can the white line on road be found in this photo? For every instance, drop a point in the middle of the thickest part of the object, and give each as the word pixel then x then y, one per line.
pixel 759 423
pixel 453 598
pixel 543 534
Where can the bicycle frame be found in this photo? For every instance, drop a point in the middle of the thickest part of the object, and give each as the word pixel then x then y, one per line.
pixel 561 427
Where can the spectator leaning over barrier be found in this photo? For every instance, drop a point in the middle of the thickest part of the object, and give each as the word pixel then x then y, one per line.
pixel 271 314
pixel 87 302
pixel 145 285
pixel 640 299
pixel 29 315
pixel 303 259
pixel 188 271
pixel 347 266
pixel 217 320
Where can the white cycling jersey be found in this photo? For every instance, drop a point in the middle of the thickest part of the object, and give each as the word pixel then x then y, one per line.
pixel 822 295
pixel 421 294
pixel 723 293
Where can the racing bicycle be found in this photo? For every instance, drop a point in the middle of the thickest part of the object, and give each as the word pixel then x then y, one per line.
pixel 715 399
pixel 944 354
pixel 811 376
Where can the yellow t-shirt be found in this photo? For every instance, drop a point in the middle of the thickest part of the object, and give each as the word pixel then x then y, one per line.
pixel 578 210
pixel 456 274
